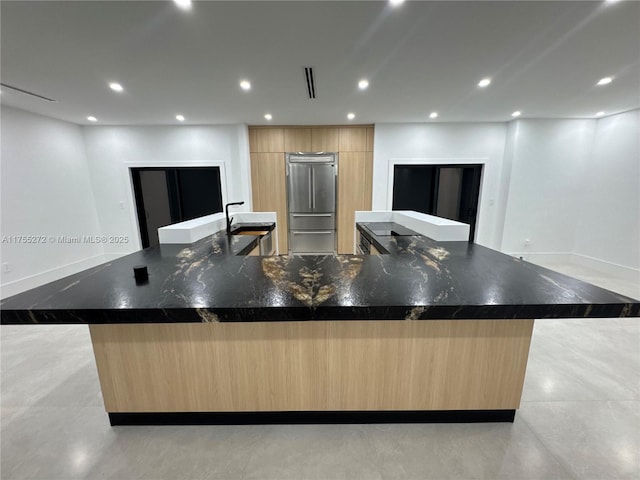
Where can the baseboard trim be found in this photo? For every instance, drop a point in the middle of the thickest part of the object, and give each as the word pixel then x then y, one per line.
pixel 622 272
pixel 307 417
pixel 544 256
pixel 113 256
pixel 32 281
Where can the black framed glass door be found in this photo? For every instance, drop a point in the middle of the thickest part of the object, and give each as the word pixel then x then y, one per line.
pixel 449 191
pixel 171 195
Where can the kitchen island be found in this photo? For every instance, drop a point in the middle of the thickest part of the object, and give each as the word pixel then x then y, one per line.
pixel 431 331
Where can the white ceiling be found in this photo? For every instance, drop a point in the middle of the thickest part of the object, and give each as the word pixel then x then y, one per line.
pixel 544 58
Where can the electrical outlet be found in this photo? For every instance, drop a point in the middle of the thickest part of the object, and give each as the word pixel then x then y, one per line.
pixel 527 242
pixel 6 267
pixel 121 205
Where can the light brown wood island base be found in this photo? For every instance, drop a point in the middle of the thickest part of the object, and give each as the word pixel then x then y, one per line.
pixel 151 372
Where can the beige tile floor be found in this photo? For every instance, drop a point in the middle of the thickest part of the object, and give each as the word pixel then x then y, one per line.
pixel 579 418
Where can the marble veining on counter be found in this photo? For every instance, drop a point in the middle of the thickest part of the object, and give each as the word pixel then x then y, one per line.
pixel 211 280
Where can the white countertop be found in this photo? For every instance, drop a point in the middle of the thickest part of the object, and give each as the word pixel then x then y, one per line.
pixel 437 228
pixel 198 228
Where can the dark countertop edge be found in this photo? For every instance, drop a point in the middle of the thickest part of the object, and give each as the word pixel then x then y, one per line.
pixel 323 313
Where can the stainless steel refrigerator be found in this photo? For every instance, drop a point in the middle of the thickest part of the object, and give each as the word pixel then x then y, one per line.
pixel 311 200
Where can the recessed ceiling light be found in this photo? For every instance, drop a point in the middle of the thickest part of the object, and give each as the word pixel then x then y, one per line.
pixel 433 115
pixel 599 114
pixel 363 84
pixel 245 85
pixel 395 3
pixel 351 116
pixel 91 118
pixel 184 4
pixel 116 87
pixel 517 113
pixel 180 118
pixel 485 82
pixel 268 116
pixel 605 81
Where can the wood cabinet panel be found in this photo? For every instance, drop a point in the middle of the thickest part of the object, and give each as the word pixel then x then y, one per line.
pixel 266 140
pixel 268 183
pixel 368 181
pixel 252 139
pixel 311 139
pixel 353 139
pixel 369 139
pixel 351 195
pixel 297 140
pixel 326 365
pixel 325 139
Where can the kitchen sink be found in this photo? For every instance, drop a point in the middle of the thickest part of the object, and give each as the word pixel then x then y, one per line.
pixel 251 229
pixel 249 232
pixel 266 237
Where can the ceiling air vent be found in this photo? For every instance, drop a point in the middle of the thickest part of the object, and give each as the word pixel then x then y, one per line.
pixel 311 82
pixel 27 92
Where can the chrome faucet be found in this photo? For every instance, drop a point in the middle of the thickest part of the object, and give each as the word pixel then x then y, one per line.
pixel 229 220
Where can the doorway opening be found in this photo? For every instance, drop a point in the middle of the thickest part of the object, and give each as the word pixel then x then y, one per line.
pixel 449 191
pixel 171 195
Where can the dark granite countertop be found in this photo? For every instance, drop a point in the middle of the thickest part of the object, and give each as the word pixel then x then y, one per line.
pixel 210 280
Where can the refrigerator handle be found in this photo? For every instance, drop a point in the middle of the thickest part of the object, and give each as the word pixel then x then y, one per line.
pixel 311 214
pixel 313 182
pixel 310 189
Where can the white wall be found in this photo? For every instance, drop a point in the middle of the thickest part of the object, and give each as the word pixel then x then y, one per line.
pixel 568 186
pixel 550 158
pixel 444 143
pixel 608 225
pixel 112 151
pixel 46 191
pixel 505 179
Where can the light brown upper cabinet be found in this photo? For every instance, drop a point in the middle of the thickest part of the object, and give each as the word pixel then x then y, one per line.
pixel 297 140
pixel 266 140
pixel 353 139
pixel 325 139
pixel 369 139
